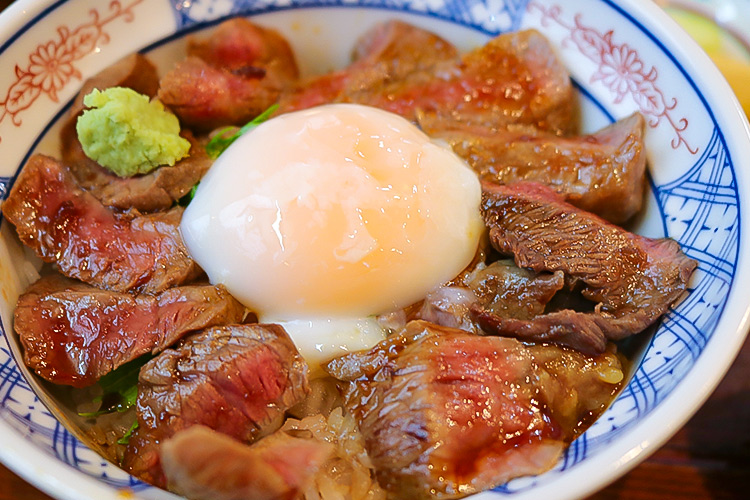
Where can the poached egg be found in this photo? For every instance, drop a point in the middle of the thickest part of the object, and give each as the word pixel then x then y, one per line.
pixel 320 219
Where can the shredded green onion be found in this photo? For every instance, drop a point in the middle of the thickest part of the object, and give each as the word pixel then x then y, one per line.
pixel 185 200
pixel 222 140
pixel 126 438
pixel 119 388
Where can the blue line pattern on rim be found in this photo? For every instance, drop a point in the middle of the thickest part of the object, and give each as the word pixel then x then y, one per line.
pixel 696 207
pixel 26 413
pixel 4 183
pixel 485 15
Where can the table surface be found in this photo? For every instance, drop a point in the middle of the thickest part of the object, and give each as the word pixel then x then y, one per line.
pixel 709 458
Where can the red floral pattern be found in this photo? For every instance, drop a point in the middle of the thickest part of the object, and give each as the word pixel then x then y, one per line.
pixel 621 70
pixel 52 64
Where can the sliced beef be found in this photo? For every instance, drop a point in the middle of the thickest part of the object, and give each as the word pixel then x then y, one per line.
pixel 515 78
pixel 448 306
pixel 157 190
pixel 604 173
pixel 238 380
pixel 401 48
pixel 68 226
pixel 631 279
pixel 445 413
pixel 512 292
pixel 500 288
pixel 230 77
pixel 239 46
pixel 205 97
pixel 203 464
pixel 73 333
pixel 388 52
pixel 315 91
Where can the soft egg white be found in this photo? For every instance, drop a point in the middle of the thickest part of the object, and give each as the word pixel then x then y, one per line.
pixel 340 211
pixel 322 339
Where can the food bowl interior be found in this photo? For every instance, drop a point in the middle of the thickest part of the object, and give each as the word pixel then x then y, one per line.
pixel 621 59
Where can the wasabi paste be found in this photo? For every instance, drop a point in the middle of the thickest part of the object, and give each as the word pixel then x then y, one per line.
pixel 128 134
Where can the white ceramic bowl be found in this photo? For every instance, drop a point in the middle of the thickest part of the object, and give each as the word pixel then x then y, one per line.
pixel 624 55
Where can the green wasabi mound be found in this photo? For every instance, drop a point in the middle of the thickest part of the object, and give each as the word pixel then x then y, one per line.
pixel 129 134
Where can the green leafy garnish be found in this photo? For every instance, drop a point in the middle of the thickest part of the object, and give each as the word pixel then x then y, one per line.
pixel 126 438
pixel 193 190
pixel 185 200
pixel 119 388
pixel 224 138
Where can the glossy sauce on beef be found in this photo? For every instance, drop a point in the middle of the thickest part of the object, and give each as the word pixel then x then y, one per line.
pixel 229 78
pixel 238 380
pixel 603 172
pixel 388 52
pixel 73 333
pixel 631 279
pixel 69 227
pixel 514 78
pixel 445 413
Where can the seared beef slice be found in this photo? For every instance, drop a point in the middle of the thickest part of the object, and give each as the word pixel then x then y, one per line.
pixel 632 279
pixel 238 380
pixel 151 192
pixel 388 52
pixel 501 288
pixel 68 226
pixel 514 78
pixel 604 173
pixel 202 464
pixel 73 333
pixel 229 78
pixel 395 49
pixel 160 188
pixel 445 413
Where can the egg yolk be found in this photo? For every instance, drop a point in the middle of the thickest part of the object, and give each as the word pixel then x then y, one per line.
pixel 337 211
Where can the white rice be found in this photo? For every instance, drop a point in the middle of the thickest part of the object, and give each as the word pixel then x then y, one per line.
pixel 348 475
